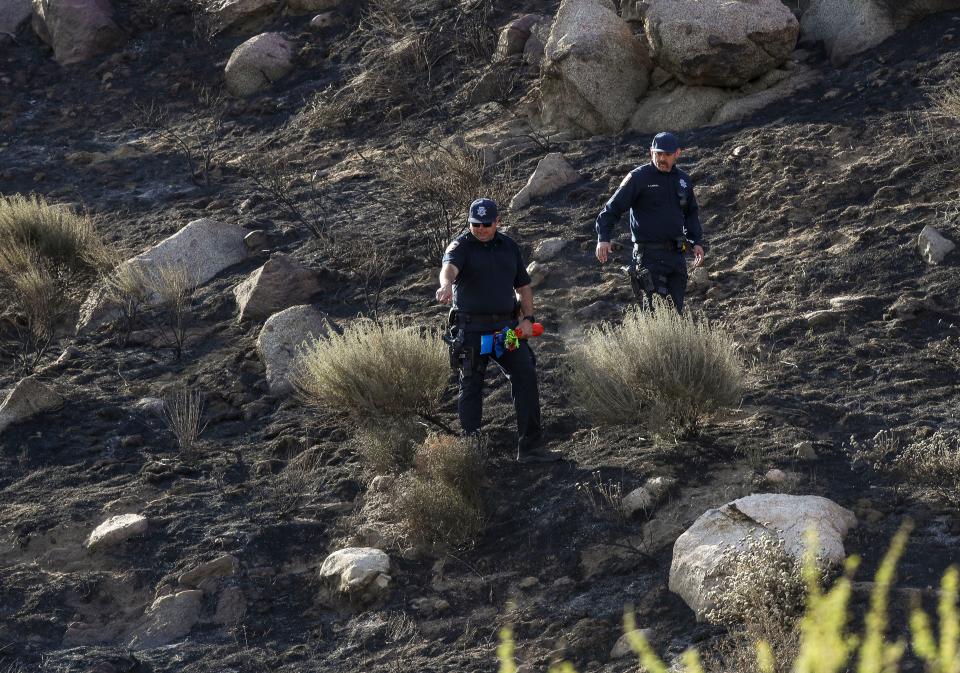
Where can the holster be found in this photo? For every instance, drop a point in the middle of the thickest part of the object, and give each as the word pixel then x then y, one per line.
pixel 462 356
pixel 640 280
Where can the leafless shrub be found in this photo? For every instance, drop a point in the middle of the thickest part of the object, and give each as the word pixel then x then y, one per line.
pixel 296 191
pixel 129 289
pixel 602 496
pixel 288 490
pixel 438 183
pixel 193 138
pixel 663 370
pixel 173 286
pixel 476 36
pixel 183 412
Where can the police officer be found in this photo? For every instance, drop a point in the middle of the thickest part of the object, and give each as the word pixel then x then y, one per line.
pixel 482 273
pixel 663 216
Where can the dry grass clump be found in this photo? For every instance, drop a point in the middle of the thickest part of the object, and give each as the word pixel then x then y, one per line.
pixel 440 500
pixel 128 288
pixel 388 445
pixel 662 370
pixel 183 412
pixel 48 256
pixel 932 461
pixel 173 285
pixel 374 370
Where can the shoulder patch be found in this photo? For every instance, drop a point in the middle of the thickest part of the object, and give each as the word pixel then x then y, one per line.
pixel 453 246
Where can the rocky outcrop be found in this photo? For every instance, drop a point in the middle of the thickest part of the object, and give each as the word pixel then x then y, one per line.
pixel 281 337
pixel 276 285
pixel 28 398
pixel 847 27
pixel 513 37
pixel 240 15
pixel 594 69
pixel 359 574
pixel 719 43
pixel 13 14
pixel 76 29
pixel 553 172
pixel 257 63
pixel 115 530
pixel 696 568
pixel 203 249
pixel 933 245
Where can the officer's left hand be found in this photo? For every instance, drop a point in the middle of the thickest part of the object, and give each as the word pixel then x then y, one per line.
pixel 526 327
pixel 698 255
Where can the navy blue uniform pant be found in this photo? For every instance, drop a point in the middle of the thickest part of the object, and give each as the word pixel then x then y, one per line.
pixel 520 367
pixel 669 271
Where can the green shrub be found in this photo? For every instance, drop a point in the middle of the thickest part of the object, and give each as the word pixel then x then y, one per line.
pixel 375 370
pixel 661 370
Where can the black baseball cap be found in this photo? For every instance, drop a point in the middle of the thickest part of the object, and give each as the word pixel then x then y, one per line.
pixel 665 142
pixel 482 211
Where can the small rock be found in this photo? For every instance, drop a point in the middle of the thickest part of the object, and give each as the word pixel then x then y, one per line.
pixel 360 573
pixel 282 334
pixel 28 398
pixel 740 150
pixel 150 405
pixel 324 20
pixel 658 487
pixel 699 279
pixel 548 249
pixel 933 245
pixel 538 273
pixel 553 172
pixel 528 582
pixel 255 240
pixel 276 285
pixel 221 567
pixel 775 476
pixel 382 483
pixel 169 618
pixel 622 648
pixel 115 530
pixel 636 500
pixel 257 63
pixel 805 451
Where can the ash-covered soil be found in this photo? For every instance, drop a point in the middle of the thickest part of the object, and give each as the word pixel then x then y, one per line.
pixel 817 197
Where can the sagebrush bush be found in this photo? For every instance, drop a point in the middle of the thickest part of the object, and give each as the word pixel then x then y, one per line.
pixel 374 370
pixel 763 586
pixel 440 500
pixel 932 461
pixel 662 370
pixel 388 445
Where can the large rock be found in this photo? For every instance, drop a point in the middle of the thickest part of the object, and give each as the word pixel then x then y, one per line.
pixel 203 248
pixel 696 567
pixel 207 576
pixel 685 107
pixel 169 618
pixel 739 108
pixel 281 338
pixel 240 15
pixel 115 530
pixel 847 27
pixel 28 398
pixel 257 63
pixel 278 284
pixel 13 14
pixel 360 574
pixel 76 29
pixel 594 69
pixel 933 245
pixel 719 42
pixel 553 172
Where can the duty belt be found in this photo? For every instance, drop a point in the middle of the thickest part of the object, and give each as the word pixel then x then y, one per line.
pixel 483 317
pixel 638 248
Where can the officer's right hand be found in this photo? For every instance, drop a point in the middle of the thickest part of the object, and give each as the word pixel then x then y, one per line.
pixel 445 293
pixel 603 251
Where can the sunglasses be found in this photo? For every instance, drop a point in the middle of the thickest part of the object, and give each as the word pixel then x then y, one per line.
pixel 485 225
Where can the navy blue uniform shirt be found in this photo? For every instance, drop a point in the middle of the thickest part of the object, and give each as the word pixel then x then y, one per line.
pixel 653 198
pixel 488 273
